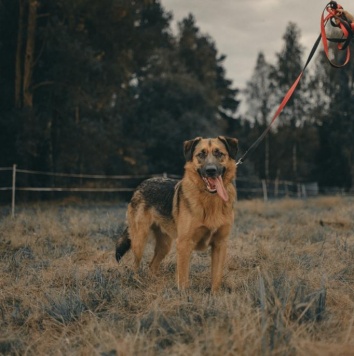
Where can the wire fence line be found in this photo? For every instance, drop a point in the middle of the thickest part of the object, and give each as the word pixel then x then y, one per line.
pixel 87 176
pixel 14 183
pixel 246 188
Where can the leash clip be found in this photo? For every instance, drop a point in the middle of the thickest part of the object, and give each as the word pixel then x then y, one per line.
pixel 239 162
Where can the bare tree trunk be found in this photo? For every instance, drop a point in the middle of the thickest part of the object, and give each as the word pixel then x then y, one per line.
pixel 351 165
pixel 19 53
pixel 266 163
pixel 29 54
pixel 295 161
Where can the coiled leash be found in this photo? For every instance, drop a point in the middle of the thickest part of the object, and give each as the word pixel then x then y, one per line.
pixel 338 18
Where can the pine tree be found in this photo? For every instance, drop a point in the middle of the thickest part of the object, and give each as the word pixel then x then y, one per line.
pixel 100 86
pixel 200 57
pixel 334 93
pixel 259 95
pixel 181 93
pixel 287 69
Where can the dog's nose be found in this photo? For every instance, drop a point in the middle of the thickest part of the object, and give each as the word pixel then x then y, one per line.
pixel 211 170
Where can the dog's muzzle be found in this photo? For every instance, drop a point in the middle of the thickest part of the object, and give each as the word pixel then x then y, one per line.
pixel 212 177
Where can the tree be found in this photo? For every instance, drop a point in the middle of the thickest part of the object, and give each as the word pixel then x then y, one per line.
pixel 334 102
pixel 9 117
pixel 181 93
pixel 259 94
pixel 200 57
pixel 86 55
pixel 293 116
pixel 288 67
pixel 104 86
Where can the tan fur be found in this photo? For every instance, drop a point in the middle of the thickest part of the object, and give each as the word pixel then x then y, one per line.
pixel 348 15
pixel 199 219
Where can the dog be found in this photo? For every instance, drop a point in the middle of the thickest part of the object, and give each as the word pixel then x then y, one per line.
pixel 197 211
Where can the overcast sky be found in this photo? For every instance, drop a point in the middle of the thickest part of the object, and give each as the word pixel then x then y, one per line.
pixel 242 28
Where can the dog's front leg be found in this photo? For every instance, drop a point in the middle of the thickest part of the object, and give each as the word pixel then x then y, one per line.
pixel 218 256
pixel 184 251
pixel 189 238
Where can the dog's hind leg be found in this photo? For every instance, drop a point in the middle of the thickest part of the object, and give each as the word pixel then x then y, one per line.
pixel 162 248
pixel 138 246
pixel 139 223
pixel 139 236
pixel 123 244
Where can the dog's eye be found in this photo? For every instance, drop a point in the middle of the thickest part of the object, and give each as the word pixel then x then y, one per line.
pixel 202 154
pixel 218 154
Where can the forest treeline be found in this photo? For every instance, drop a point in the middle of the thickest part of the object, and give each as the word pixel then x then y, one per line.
pixel 107 87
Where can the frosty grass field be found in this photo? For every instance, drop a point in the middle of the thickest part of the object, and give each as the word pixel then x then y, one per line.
pixel 288 286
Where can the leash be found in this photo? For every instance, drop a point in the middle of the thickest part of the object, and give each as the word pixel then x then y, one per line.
pixel 338 19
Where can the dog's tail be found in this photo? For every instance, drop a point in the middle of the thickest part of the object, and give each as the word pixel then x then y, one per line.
pixel 123 244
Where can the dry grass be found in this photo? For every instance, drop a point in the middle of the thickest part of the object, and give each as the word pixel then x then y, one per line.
pixel 288 287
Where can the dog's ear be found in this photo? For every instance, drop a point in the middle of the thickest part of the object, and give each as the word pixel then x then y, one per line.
pixel 231 145
pixel 188 148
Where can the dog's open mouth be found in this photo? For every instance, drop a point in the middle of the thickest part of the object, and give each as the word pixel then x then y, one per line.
pixel 216 185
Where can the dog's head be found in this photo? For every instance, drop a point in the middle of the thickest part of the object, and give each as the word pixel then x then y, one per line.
pixel 214 160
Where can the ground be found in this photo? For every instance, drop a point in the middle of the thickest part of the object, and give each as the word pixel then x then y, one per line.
pixel 288 285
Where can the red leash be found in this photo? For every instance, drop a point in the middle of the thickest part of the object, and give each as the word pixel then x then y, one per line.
pixel 338 19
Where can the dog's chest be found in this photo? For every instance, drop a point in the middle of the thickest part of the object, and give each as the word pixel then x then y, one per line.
pixel 214 216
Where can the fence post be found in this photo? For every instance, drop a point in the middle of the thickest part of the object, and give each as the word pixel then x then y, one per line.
pixel 13 190
pixel 276 188
pixel 286 189
pixel 298 188
pixel 264 188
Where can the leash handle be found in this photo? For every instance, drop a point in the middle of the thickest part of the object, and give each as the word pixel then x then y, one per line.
pixel 333 13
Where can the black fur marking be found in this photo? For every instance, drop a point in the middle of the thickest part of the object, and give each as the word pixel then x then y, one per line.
pixel 178 192
pixel 231 145
pixel 123 244
pixel 189 147
pixel 186 201
pixel 158 193
pixel 181 196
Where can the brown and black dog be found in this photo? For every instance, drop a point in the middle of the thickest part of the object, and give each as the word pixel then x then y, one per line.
pixel 197 211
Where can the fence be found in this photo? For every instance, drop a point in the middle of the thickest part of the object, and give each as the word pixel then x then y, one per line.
pixel 246 188
pixel 13 187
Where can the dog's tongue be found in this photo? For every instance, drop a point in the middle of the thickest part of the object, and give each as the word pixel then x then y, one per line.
pixel 219 185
